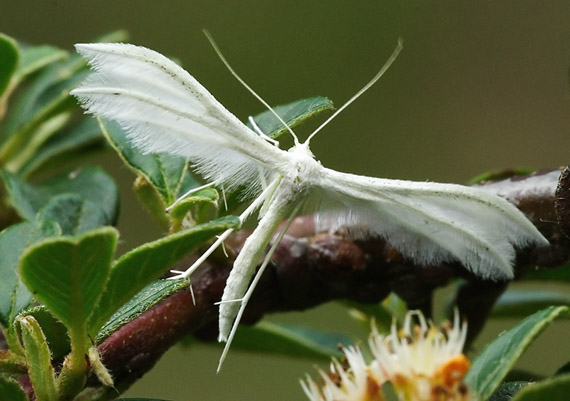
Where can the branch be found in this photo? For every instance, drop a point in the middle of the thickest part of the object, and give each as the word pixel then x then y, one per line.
pixel 311 268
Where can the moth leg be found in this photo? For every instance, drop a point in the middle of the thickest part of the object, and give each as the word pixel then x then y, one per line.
pixel 229 301
pixel 224 197
pixel 261 133
pixel 192 294
pixel 242 217
pixel 243 301
pixel 224 250
pixel 185 274
pixel 211 184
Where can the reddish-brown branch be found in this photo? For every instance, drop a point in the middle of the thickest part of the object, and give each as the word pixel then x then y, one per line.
pixel 309 269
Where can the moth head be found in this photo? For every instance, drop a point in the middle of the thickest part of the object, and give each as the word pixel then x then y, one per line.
pixel 302 150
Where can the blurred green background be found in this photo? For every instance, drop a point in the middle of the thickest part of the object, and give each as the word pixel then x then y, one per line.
pixel 479 86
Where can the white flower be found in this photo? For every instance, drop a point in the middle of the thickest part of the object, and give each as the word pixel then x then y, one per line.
pixel 421 362
pixel 344 384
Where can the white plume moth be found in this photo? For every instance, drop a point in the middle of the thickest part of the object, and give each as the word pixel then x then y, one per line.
pixel 162 108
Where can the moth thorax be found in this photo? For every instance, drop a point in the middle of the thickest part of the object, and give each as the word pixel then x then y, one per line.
pixel 302 165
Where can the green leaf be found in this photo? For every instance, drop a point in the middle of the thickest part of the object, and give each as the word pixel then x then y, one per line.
pixel 292 113
pixel 521 302
pixel 74 214
pixel 14 296
pixel 507 390
pixel 41 110
pixel 12 363
pixel 196 202
pixel 297 341
pixel 34 58
pixel 500 175
pixel 369 315
pixel 54 331
pixel 139 304
pixel 68 144
pixel 21 153
pixel 46 93
pixel 68 274
pixel 138 268
pixel 90 183
pixel 11 390
pixel 38 358
pixel 492 365
pixel 164 171
pixel 9 57
pixel 152 201
pixel 557 388
pixel 45 106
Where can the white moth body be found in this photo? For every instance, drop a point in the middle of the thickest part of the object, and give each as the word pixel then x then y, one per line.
pixel 162 108
pixel 291 188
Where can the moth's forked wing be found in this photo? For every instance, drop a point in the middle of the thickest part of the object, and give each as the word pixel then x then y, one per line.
pixel 429 222
pixel 164 109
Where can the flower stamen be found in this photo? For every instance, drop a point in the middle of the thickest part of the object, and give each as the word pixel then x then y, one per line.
pixel 421 362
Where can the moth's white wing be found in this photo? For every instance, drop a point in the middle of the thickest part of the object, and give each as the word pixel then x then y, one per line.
pixel 428 222
pixel 164 109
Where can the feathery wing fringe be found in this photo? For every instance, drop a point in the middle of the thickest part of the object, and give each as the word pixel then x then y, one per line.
pixel 164 109
pixel 430 222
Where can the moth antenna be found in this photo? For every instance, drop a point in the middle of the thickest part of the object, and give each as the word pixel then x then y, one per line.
pixel 246 86
pixel 376 77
